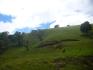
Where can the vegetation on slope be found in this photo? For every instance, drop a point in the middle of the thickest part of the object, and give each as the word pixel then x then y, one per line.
pixel 74 55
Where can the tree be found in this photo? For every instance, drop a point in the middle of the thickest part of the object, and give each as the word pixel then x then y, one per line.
pixel 25 41
pixel 85 27
pixel 18 39
pixel 56 26
pixel 4 41
pixel 38 34
pixel 68 25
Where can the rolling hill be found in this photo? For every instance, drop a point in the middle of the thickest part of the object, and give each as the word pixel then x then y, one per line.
pixel 63 48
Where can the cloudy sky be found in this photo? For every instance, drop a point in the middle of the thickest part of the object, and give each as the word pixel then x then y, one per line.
pixel 25 15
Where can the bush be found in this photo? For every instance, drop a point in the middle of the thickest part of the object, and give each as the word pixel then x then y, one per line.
pixel 56 26
pixel 86 27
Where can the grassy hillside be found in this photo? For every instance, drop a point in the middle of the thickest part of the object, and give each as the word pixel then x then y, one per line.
pixel 73 55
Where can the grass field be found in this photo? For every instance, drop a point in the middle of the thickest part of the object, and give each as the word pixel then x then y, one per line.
pixel 78 55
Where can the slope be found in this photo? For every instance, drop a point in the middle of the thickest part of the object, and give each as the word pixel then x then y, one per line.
pixel 78 55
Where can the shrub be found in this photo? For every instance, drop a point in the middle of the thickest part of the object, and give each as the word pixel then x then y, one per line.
pixel 56 26
pixel 85 27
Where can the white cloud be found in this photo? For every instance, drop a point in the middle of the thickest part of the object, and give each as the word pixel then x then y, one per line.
pixel 74 12
pixel 31 13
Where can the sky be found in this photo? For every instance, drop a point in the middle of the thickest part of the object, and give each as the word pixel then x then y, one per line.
pixel 27 15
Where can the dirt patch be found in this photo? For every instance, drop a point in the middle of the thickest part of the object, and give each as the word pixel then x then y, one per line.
pixel 85 62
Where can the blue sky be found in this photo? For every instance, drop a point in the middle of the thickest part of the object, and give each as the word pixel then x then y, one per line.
pixel 26 15
pixel 42 26
pixel 46 25
pixel 6 18
pixel 26 30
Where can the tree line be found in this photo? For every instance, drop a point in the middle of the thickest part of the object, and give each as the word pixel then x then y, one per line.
pixel 19 39
pixel 15 40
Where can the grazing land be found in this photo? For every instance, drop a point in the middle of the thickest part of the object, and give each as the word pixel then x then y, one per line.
pixel 63 48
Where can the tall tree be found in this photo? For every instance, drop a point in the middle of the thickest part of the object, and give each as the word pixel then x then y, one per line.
pixel 4 41
pixel 85 27
pixel 26 41
pixel 38 34
pixel 18 39
pixel 56 26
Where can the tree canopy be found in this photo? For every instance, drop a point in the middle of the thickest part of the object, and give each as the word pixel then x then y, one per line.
pixel 85 27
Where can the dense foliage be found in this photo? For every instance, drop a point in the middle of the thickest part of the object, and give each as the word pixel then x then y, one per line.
pixel 15 40
pixel 56 26
pixel 85 27
pixel 19 39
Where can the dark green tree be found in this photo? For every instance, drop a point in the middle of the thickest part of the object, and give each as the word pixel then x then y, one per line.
pixel 85 27
pixel 4 41
pixel 56 26
pixel 38 34
pixel 18 39
pixel 26 41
